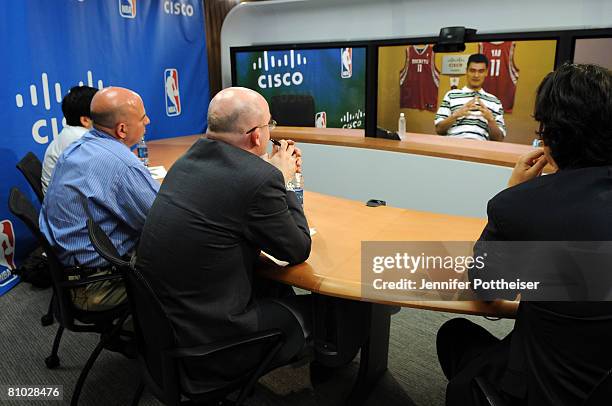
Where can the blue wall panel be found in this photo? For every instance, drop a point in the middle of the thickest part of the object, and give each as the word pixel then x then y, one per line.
pixel 49 46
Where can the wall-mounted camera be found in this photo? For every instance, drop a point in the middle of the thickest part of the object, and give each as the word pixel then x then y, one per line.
pixel 452 39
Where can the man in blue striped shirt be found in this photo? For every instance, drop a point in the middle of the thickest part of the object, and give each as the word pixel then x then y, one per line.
pixel 471 112
pixel 100 171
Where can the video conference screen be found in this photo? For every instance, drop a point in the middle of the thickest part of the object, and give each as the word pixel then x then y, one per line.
pixel 307 87
pixel 594 50
pixel 413 79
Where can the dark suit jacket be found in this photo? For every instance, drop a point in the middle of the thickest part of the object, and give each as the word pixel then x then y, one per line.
pixel 217 207
pixel 558 350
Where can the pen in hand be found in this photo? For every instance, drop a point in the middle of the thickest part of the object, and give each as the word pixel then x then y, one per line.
pixel 278 144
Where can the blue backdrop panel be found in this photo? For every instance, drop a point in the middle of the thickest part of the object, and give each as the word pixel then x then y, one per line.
pixel 155 47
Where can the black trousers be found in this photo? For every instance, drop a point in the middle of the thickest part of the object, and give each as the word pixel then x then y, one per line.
pixel 466 351
pixel 293 316
pixel 278 307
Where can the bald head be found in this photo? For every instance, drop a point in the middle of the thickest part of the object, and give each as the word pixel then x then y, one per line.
pixel 120 113
pixel 236 110
pixel 111 105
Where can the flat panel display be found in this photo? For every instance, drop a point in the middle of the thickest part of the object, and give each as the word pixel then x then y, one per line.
pixel 309 87
pixel 412 79
pixel 594 50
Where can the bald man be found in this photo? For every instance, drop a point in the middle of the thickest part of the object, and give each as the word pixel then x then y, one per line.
pixel 100 172
pixel 220 204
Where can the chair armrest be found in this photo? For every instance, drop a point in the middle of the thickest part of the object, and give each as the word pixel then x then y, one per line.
pixel 169 358
pixel 208 349
pixel 489 392
pixel 89 280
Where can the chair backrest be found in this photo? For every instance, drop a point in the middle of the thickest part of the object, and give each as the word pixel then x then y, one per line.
pixel 31 168
pixel 103 244
pixel 149 318
pixel 153 328
pixel 296 110
pixel 23 208
pixel 156 336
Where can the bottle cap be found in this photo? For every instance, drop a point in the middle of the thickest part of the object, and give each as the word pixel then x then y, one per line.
pixel 401 114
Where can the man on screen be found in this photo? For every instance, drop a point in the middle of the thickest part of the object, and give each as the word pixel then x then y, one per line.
pixel 471 112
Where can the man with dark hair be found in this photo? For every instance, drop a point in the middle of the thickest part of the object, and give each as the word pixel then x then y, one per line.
pixel 99 174
pixel 221 203
pixel 471 112
pixel 558 351
pixel 75 107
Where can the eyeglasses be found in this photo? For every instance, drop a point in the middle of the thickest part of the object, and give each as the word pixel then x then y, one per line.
pixel 271 125
pixel 540 131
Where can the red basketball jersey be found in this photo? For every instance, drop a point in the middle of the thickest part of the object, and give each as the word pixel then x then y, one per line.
pixel 503 74
pixel 419 79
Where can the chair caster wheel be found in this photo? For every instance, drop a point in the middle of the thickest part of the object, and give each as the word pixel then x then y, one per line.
pixel 46 320
pixel 52 361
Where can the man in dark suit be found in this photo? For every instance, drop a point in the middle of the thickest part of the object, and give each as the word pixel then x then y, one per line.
pixel 558 351
pixel 220 204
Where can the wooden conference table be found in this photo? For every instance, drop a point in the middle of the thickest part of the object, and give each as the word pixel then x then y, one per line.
pixel 334 265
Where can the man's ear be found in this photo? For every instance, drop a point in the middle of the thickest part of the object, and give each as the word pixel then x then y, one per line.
pixel 86 122
pixel 255 137
pixel 121 130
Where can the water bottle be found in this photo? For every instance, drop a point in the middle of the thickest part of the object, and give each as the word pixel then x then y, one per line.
pixel 142 151
pixel 297 184
pixel 401 127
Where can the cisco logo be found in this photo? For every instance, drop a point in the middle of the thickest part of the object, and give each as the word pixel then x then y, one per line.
pixel 127 8
pixel 352 120
pixel 178 8
pixel 42 136
pixel 291 60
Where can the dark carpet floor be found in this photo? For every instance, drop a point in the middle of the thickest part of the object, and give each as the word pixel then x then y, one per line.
pixel 414 376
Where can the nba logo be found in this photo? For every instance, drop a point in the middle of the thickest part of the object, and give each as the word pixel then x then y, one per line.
pixel 321 119
pixel 127 8
pixel 7 245
pixel 346 66
pixel 173 98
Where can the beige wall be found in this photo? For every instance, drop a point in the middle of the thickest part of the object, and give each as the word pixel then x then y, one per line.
pixel 534 59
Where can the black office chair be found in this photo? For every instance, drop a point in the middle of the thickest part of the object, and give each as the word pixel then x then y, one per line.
pixel 107 323
pixel 159 356
pixel 600 395
pixel 488 393
pixel 293 109
pixel 31 168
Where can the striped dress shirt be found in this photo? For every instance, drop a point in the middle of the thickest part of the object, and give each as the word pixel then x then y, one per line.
pixel 472 126
pixel 102 173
